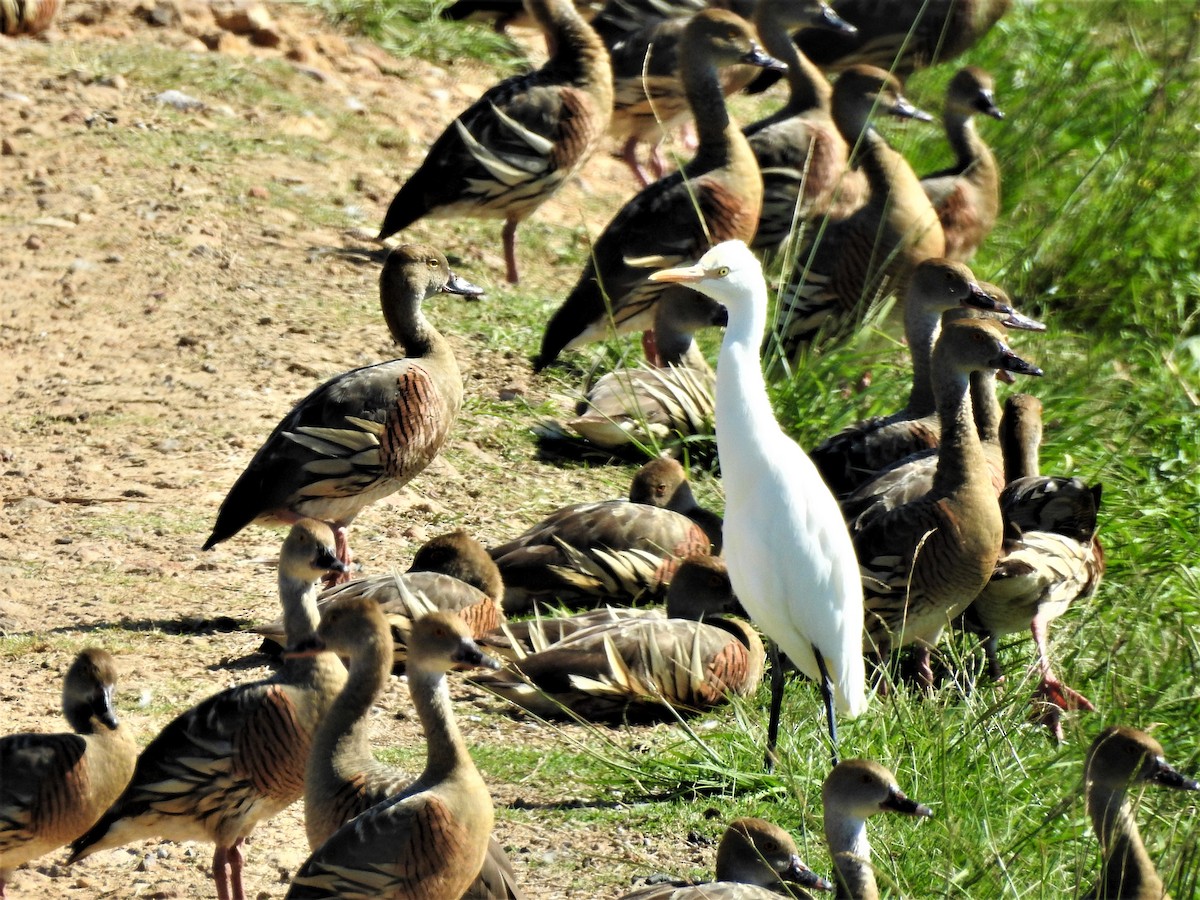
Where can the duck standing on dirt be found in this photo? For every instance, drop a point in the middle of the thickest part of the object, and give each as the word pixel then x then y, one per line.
pixel 366 433
pixel 53 787
pixel 515 146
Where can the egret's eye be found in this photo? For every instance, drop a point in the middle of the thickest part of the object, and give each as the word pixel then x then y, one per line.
pixel 722 271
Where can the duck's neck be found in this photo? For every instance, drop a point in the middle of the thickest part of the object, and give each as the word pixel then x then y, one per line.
pixel 968 147
pixel 851 852
pixel 985 408
pixel 340 746
pixel 677 348
pixel 960 453
pixel 300 619
pixel 446 753
pixel 921 328
pixel 1127 870
pixel 718 138
pixel 894 185
pixel 577 54
pixel 299 600
pixel 808 88
pixel 402 313
pixel 1020 445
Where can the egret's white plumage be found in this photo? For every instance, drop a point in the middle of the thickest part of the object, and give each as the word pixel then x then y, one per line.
pixel 790 557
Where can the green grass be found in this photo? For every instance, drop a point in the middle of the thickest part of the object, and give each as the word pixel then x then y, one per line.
pixel 1097 236
pixel 414 28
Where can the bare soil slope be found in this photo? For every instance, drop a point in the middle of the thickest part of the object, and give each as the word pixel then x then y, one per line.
pixel 176 275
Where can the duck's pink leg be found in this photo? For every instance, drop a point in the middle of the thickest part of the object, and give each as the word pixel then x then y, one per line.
pixel 629 154
pixel 510 251
pixel 1052 696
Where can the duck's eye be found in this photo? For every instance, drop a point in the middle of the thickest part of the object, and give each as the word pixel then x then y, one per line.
pixel 722 271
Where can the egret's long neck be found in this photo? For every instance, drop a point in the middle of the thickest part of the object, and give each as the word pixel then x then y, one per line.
pixel 743 407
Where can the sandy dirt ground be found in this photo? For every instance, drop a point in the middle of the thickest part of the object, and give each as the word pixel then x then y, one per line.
pixel 165 300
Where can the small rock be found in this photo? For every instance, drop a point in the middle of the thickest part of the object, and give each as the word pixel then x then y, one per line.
pixel 116 82
pixel 7 148
pixel 163 14
pixel 92 192
pixel 113 258
pixel 178 100
pixel 18 99
pixel 512 391
pixel 266 37
pixel 32 503
pixel 54 222
pixel 79 264
pixel 147 863
pixel 302 50
pixel 259 192
pixel 241 18
pixel 33 242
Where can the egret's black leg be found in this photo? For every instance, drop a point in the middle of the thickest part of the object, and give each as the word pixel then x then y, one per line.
pixel 777 675
pixel 827 696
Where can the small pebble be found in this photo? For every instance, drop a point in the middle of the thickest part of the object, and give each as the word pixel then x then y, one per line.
pixel 178 100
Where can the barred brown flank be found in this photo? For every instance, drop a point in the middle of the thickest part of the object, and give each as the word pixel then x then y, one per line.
pixel 238 757
pixel 859 261
pixel 512 149
pixel 717 195
pixel 427 839
pixel 270 752
pixel 366 433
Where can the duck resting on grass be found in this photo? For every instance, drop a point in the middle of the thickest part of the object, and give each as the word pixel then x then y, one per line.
pixel 756 860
